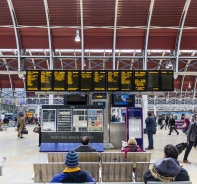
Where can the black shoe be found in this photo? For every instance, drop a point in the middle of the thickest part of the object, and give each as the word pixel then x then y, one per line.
pixel 38 145
pixel 148 148
pixel 169 134
pixel 177 133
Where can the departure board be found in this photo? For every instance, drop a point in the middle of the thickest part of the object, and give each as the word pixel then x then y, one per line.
pixel 32 80
pixel 73 80
pixel 126 81
pixel 86 81
pixel 140 80
pixel 59 80
pixel 167 81
pixel 153 80
pixel 113 80
pixel 99 80
pixel 46 80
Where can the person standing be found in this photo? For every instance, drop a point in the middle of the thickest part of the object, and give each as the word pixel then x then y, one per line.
pixel 166 121
pixel 191 139
pixel 186 124
pixel 150 129
pixel 21 124
pixel 172 125
pixel 6 122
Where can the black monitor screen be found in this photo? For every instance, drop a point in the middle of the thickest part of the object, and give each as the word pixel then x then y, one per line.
pixel 75 99
pixel 123 100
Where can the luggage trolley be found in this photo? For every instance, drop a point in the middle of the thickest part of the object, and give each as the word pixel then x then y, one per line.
pixel 1 166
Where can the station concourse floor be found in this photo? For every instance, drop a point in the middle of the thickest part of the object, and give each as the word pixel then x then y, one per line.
pixel 22 153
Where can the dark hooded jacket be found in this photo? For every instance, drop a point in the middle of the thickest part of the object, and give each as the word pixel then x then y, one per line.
pixel 72 175
pixel 166 170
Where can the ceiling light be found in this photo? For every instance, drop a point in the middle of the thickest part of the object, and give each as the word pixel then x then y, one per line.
pixel 170 63
pixel 189 86
pixel 77 38
pixel 167 66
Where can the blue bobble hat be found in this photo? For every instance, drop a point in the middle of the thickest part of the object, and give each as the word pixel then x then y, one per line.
pixel 72 159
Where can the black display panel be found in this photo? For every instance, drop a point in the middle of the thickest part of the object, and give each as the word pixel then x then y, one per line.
pixel 126 80
pixel 153 80
pixel 140 80
pixel 59 80
pixel 167 81
pixel 78 99
pixel 46 80
pixel 73 80
pixel 99 80
pixel 113 80
pixel 86 81
pixel 32 80
pixel 122 100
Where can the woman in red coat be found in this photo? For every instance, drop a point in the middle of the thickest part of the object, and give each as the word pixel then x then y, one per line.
pixel 132 146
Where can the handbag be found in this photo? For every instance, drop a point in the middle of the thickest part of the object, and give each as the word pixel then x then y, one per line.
pixel 36 130
pixel 24 131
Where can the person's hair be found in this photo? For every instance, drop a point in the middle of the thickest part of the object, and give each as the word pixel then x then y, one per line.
pixel 85 140
pixel 132 141
pixel 171 151
pixel 149 114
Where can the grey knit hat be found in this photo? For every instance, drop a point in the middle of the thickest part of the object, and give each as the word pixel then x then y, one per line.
pixel 72 159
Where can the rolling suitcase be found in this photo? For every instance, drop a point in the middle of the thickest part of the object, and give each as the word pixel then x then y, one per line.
pixel 162 126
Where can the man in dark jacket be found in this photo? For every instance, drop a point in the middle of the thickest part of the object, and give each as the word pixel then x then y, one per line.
pixel 172 125
pixel 72 173
pixel 191 139
pixel 167 169
pixel 150 129
pixel 85 146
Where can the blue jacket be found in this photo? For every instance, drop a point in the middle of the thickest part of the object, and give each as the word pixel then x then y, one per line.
pixel 150 121
pixel 72 175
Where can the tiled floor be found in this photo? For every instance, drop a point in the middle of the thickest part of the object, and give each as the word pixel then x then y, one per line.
pixel 22 153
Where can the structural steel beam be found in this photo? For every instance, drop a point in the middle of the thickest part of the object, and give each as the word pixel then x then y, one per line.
pixel 114 38
pixel 147 34
pixel 179 34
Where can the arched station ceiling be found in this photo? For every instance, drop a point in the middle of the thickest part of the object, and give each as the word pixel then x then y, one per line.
pixel 115 34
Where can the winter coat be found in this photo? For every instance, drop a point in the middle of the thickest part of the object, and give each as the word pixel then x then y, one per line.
pixel 192 131
pixel 132 148
pixel 150 121
pixel 187 122
pixel 166 170
pixel 21 124
pixel 72 175
pixel 85 148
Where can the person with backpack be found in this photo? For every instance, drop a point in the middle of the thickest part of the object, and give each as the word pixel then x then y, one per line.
pixel 72 173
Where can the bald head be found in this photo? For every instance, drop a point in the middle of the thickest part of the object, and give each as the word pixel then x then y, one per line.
pixel 85 140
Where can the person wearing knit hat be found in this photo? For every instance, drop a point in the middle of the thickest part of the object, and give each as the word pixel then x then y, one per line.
pixel 72 173
pixel 167 169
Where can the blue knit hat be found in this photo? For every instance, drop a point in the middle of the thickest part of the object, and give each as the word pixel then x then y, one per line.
pixel 72 159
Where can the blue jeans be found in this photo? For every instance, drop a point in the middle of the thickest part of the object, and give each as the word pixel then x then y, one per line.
pixel 150 139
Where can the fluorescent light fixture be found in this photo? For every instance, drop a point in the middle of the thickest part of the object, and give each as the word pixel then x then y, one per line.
pixel 170 63
pixel 77 38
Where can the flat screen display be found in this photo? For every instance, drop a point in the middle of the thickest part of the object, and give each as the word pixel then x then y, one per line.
pixel 153 80
pixel 73 80
pixel 99 80
pixel 126 80
pixel 113 80
pixel 167 81
pixel 86 81
pixel 59 80
pixel 140 80
pixel 46 80
pixel 123 100
pixel 32 80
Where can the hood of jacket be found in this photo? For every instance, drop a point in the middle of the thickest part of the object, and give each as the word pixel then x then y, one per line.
pixel 165 169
